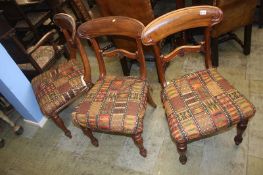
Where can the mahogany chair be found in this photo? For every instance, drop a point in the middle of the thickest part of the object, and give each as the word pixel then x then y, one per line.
pixel 202 103
pixel 58 87
pixel 115 104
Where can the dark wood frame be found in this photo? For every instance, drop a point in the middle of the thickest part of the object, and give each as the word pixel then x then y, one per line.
pixel 178 21
pixel 116 26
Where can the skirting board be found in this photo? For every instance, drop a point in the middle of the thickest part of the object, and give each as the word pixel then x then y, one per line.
pixel 40 124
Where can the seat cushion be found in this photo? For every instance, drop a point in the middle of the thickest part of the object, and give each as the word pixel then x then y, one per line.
pixel 55 87
pixel 202 103
pixel 113 104
pixel 44 54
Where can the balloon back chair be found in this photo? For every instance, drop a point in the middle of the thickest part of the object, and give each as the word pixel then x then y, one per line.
pixel 58 87
pixel 115 104
pixel 202 103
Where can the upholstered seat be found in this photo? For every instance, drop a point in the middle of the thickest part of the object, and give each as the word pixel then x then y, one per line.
pixel 202 103
pixel 55 87
pixel 114 104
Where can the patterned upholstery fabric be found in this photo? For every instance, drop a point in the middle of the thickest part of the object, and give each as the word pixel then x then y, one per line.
pixel 114 104
pixel 202 103
pixel 56 87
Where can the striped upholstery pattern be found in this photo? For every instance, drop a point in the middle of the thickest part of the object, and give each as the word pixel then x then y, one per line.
pixel 113 104
pixel 202 103
pixel 57 86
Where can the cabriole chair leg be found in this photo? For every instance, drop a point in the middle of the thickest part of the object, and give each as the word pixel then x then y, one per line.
pixel 59 122
pixel 88 133
pixel 181 149
pixel 138 140
pixel 241 127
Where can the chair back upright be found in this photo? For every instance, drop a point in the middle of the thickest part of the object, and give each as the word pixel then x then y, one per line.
pixel 114 26
pixel 67 25
pixel 178 21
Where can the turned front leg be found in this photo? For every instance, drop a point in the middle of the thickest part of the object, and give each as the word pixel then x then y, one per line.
pixel 59 122
pixel 241 127
pixel 181 149
pixel 137 138
pixel 88 133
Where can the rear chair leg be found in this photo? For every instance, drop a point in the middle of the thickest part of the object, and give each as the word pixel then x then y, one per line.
pixel 241 127
pixel 181 149
pixel 88 133
pixel 247 39
pixel 214 52
pixel 137 138
pixel 150 100
pixel 59 122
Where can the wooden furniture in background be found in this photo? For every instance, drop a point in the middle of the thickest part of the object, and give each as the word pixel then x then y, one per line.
pixel 115 104
pixel 81 10
pixel 35 59
pixel 237 14
pixel 202 103
pixel 260 14
pixel 137 9
pixel 58 87
pixel 24 21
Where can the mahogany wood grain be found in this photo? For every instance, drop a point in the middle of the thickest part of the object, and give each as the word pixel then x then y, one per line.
pixel 116 26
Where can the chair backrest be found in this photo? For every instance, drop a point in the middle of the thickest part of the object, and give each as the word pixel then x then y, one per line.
pixel 237 13
pixel 177 21
pixel 137 9
pixel 114 26
pixel 67 25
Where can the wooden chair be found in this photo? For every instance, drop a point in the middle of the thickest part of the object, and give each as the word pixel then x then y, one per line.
pixel 32 60
pixel 202 103
pixel 24 21
pixel 58 87
pixel 237 14
pixel 115 104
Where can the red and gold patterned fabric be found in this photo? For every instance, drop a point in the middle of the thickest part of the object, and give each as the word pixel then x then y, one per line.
pixel 57 86
pixel 114 104
pixel 202 103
